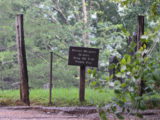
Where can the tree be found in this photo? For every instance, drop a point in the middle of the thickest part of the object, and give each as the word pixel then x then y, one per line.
pixel 85 35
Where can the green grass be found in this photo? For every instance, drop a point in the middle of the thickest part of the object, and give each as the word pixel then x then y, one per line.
pixel 60 97
pixel 152 101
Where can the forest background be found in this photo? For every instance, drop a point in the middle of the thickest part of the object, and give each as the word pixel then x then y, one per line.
pixel 54 25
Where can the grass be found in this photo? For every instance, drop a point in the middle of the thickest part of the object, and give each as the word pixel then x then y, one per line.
pixel 152 101
pixel 69 97
pixel 60 97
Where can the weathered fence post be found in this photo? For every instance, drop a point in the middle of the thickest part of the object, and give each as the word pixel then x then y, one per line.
pixel 24 87
pixel 113 61
pixel 139 44
pixel 50 82
pixel 140 31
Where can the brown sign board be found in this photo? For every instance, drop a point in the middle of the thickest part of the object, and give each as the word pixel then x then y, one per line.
pixel 82 56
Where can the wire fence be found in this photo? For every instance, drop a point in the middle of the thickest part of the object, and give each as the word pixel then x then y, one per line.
pixel 38 64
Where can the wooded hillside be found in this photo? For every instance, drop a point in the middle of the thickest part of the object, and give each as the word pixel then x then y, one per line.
pixel 54 25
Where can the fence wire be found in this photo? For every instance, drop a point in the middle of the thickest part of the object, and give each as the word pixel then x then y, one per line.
pixel 38 64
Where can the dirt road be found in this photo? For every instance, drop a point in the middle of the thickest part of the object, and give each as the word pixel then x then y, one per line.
pixel 6 114
pixel 53 113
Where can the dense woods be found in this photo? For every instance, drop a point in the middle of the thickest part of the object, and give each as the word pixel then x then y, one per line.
pixel 129 56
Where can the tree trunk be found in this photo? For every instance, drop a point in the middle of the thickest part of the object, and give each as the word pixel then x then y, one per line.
pixel 85 35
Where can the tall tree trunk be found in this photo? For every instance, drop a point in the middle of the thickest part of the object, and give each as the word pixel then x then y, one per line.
pixel 85 35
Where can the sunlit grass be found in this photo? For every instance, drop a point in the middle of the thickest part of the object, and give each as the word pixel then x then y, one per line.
pixel 60 97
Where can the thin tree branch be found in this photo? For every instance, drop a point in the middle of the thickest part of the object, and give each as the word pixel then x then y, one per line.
pixel 62 14
pixel 59 10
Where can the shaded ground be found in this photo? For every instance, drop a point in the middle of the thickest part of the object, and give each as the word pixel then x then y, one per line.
pixel 64 113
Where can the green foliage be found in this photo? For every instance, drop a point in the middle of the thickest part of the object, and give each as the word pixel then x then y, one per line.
pixel 53 25
pixel 102 115
pixel 143 66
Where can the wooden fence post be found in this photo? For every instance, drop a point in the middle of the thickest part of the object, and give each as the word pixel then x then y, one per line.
pixel 112 71
pixel 140 31
pixel 50 82
pixel 139 44
pixel 24 87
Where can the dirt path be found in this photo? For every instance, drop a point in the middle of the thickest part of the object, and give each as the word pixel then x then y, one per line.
pixel 6 114
pixel 62 113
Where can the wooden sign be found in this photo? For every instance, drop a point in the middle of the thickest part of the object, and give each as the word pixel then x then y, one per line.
pixel 82 56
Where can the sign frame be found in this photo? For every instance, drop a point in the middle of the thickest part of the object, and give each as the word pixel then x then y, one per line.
pixel 83 56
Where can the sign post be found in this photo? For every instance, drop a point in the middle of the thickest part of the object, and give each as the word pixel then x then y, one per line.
pixel 82 83
pixel 82 56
